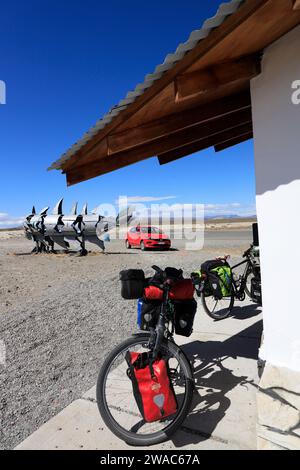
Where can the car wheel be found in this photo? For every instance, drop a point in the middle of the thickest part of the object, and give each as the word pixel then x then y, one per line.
pixel 142 245
pixel 128 246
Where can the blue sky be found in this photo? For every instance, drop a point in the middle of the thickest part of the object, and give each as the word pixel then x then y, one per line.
pixel 65 63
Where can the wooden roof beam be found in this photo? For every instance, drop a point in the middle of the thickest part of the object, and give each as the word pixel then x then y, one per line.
pixel 100 167
pixel 216 139
pixel 157 129
pixel 212 78
pixel 182 137
pixel 173 140
pixel 170 124
pixel 244 13
pixel 165 144
pixel 296 5
pixel 235 141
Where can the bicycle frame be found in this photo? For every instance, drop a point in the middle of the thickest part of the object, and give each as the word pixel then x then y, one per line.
pixel 160 327
pixel 239 292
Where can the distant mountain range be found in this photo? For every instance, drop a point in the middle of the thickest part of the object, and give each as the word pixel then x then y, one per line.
pixel 229 216
pixel 155 220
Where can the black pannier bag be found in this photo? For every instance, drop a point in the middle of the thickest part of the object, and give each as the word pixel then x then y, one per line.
pixel 133 283
pixel 213 279
pixel 215 285
pixel 184 314
pixel 256 290
pixel 149 314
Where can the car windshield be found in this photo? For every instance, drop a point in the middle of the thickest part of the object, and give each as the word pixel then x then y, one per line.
pixel 150 230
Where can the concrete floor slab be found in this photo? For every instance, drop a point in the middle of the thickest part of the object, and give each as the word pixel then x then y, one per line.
pixel 223 415
pixel 79 427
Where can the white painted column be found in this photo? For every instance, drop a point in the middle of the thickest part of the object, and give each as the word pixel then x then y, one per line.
pixel 276 117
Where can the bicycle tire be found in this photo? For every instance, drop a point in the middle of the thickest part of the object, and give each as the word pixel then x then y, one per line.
pixel 247 291
pixel 116 428
pixel 211 313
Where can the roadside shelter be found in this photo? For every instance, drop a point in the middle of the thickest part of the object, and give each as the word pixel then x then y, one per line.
pixel 236 78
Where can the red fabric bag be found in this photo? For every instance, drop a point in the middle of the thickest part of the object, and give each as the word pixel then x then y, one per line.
pixel 153 293
pixel 152 388
pixel 181 290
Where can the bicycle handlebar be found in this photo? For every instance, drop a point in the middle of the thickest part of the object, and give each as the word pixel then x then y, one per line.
pixel 162 286
pixel 168 281
pixel 157 269
pixel 247 253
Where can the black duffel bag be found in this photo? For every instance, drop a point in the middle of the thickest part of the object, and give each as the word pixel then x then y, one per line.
pixel 207 266
pixel 184 314
pixel 133 283
pixel 168 273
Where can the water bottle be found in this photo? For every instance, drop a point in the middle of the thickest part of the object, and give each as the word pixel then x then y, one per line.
pixel 139 313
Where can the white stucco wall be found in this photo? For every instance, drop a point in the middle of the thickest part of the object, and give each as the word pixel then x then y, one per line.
pixel 277 165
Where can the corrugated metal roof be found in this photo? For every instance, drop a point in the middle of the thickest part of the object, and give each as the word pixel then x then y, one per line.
pixel 224 10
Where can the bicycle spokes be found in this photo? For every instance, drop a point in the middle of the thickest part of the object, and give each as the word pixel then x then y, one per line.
pixel 120 400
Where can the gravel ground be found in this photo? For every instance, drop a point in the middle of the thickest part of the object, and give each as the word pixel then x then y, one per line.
pixel 61 314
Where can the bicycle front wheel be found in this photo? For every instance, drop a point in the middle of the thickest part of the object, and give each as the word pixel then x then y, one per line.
pixel 215 308
pixel 115 398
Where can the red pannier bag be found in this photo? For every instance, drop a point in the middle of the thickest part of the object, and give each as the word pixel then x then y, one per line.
pixel 153 293
pixel 181 290
pixel 152 387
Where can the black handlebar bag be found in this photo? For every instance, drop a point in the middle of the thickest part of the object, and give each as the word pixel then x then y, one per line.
pixel 133 283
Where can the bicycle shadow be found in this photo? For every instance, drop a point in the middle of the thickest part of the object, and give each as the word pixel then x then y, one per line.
pixel 214 379
pixel 241 312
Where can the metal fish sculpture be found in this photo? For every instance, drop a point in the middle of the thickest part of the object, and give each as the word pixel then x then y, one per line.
pixel 56 228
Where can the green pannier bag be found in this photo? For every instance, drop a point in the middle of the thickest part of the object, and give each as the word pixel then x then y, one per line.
pixel 225 276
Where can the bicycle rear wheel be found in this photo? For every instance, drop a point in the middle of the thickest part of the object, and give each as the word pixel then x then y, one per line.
pixel 116 402
pixel 217 309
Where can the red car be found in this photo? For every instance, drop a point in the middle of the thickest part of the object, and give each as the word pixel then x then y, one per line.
pixel 147 237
